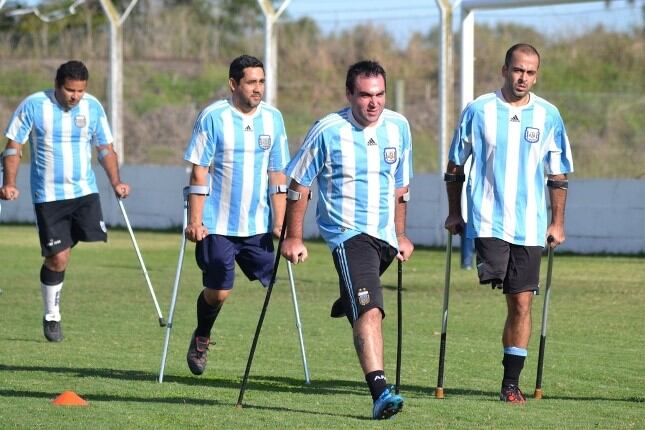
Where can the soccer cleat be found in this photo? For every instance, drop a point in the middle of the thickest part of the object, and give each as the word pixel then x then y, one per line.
pixel 387 405
pixel 512 394
pixel 197 355
pixel 52 330
pixel 337 310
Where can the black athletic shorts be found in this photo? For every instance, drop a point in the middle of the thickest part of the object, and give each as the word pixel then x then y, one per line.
pixel 515 267
pixel 216 256
pixel 64 223
pixel 360 262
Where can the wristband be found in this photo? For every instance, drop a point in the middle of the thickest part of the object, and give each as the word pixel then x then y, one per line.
pixel 454 177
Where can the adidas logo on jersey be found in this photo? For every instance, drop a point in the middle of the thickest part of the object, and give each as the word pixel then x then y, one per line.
pixel 248 128
pixel 371 142
pixel 514 118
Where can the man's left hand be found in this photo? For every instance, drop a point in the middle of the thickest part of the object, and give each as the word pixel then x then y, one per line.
pixel 121 190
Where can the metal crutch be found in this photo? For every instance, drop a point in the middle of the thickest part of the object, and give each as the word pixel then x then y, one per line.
pixel 298 324
pixel 399 324
pixel 444 320
pixel 175 288
pixel 545 309
pixel 143 266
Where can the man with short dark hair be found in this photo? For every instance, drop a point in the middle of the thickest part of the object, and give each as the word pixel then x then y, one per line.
pixel 243 142
pixel 513 138
pixel 63 125
pixel 361 159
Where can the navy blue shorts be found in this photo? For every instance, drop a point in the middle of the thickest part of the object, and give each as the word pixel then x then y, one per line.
pixel 216 256
pixel 515 267
pixel 360 262
pixel 64 223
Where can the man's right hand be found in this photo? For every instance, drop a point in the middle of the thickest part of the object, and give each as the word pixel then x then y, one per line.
pixel 196 232
pixel 454 223
pixel 294 250
pixel 9 192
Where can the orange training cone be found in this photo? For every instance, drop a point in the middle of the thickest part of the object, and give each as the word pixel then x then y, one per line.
pixel 69 398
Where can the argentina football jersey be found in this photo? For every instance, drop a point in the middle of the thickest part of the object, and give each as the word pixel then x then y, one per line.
pixel 512 149
pixel 61 143
pixel 358 169
pixel 241 149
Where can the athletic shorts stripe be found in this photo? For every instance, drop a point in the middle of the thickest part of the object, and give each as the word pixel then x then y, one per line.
pixel 347 280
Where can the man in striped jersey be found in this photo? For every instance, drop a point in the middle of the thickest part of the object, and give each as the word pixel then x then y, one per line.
pixel 243 142
pixel 514 138
pixel 63 125
pixel 361 159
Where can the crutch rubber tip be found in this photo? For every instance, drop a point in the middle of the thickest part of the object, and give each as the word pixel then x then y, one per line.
pixel 537 394
pixel 238 406
pixel 162 323
pixel 438 393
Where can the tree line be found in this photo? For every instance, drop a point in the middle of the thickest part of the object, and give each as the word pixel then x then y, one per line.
pixel 177 55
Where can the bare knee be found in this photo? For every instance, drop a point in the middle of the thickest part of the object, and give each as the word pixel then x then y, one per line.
pixel 215 297
pixel 519 305
pixel 58 262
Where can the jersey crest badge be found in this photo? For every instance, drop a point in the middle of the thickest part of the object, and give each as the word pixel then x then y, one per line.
pixel 531 134
pixel 264 140
pixel 389 155
pixel 80 121
pixel 363 297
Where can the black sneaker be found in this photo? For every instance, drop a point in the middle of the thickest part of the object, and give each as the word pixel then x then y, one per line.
pixel 512 394
pixel 52 330
pixel 337 310
pixel 197 354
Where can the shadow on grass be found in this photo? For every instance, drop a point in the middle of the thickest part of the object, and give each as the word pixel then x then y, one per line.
pixel 274 384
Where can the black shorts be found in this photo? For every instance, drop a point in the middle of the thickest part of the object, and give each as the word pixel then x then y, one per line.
pixel 216 256
pixel 64 223
pixel 360 262
pixel 516 267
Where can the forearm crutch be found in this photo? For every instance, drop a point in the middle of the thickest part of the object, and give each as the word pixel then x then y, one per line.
pixel 143 266
pixel 262 314
pixel 175 288
pixel 298 324
pixel 399 324
pixel 444 320
pixel 545 310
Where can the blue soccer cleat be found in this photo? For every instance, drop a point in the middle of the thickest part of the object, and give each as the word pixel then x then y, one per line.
pixel 387 405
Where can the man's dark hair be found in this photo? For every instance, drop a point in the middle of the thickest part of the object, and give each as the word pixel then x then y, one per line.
pixel 236 69
pixel 367 68
pixel 74 70
pixel 522 47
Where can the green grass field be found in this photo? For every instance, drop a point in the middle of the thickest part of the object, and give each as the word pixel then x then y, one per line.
pixel 594 375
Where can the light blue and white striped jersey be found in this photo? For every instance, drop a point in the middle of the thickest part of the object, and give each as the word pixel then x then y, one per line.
pixel 358 169
pixel 512 149
pixel 60 143
pixel 241 149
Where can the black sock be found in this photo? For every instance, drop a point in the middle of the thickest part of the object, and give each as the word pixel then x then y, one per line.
pixel 206 315
pixel 377 383
pixel 513 365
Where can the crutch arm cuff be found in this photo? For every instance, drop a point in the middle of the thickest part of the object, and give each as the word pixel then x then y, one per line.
pixel 202 190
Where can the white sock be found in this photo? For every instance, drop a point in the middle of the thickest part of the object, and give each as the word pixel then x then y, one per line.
pixel 51 300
